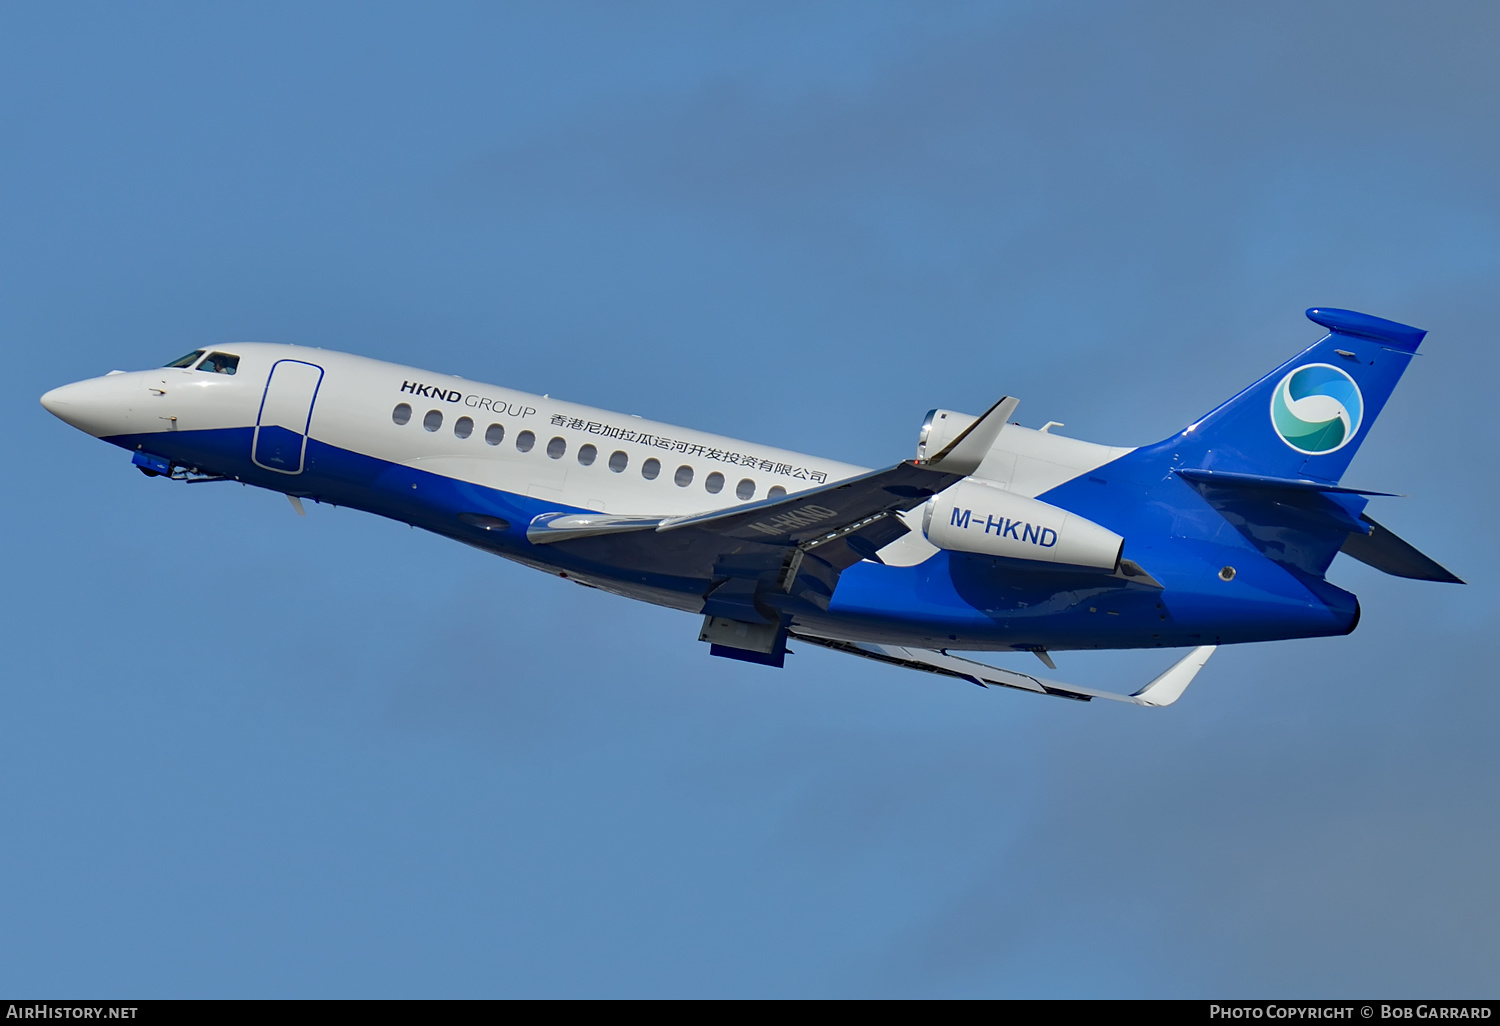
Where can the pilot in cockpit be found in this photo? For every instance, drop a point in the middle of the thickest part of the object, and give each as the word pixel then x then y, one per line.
pixel 220 363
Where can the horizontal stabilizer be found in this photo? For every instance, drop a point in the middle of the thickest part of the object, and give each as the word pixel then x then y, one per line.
pixel 1295 522
pixel 1390 554
pixel 1164 690
pixel 1225 479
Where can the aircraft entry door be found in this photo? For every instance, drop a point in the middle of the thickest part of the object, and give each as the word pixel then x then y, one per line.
pixel 285 415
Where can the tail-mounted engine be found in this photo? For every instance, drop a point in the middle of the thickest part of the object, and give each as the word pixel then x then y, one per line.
pixel 940 428
pixel 973 516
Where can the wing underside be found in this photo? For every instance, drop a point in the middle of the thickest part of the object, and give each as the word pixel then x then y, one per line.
pixel 756 558
pixel 1163 690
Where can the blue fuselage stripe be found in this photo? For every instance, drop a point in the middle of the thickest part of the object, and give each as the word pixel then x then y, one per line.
pixel 951 600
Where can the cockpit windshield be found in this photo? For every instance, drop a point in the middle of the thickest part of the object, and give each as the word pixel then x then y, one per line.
pixel 220 363
pixel 188 360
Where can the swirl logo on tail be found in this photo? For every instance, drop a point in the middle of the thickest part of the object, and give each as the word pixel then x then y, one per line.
pixel 1316 409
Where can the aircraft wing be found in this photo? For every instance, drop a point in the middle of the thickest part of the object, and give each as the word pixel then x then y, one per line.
pixel 1163 690
pixel 796 544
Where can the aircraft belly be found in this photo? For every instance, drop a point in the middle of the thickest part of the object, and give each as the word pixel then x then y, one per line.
pixel 949 600
pixel 957 601
pixel 413 495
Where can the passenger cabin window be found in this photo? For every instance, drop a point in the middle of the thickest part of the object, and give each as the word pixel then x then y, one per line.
pixel 433 420
pixel 714 483
pixel 220 363
pixel 684 476
pixel 618 461
pixel 745 489
pixel 651 468
pixel 587 455
pixel 776 492
pixel 556 448
pixel 463 427
pixel 401 414
pixel 494 434
pixel 188 360
pixel 525 440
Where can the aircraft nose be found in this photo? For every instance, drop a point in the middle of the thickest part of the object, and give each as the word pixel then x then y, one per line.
pixel 56 401
pixel 94 405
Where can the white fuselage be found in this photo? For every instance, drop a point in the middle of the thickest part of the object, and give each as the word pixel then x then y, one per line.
pixel 544 448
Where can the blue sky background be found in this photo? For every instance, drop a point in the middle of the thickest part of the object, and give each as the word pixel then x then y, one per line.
pixel 247 754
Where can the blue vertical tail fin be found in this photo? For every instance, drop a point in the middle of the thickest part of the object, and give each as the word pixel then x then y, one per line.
pixel 1308 417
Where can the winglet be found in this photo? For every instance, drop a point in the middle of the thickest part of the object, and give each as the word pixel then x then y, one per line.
pixel 1168 688
pixel 964 454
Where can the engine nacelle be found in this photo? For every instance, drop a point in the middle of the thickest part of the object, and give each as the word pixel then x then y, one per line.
pixel 976 517
pixel 940 428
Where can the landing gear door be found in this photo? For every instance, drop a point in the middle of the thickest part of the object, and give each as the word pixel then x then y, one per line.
pixel 280 442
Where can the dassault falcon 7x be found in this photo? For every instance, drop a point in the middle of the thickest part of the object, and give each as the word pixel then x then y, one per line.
pixel 995 538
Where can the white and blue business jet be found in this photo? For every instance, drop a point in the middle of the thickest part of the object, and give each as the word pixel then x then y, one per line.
pixel 996 537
